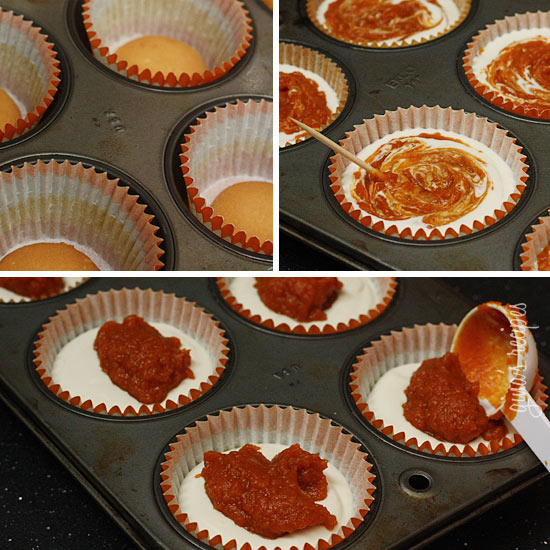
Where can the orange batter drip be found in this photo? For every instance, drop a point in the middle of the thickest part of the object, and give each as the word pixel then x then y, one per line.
pixel 543 259
pixel 439 184
pixel 379 20
pixel 523 61
pixel 485 351
pixel 300 98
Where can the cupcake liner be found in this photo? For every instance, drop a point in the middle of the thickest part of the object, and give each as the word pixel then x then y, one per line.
pixel 267 424
pixel 435 118
pixel 386 286
pixel 29 70
pixel 10 297
pixel 312 7
pixel 63 202
pixel 414 345
pixel 491 32
pixel 95 310
pixel 327 69
pixel 220 30
pixel 239 137
pixel 535 243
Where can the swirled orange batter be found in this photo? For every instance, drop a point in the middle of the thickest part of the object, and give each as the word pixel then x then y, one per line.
pixel 521 72
pixel 300 98
pixel 439 184
pixel 379 20
pixel 543 259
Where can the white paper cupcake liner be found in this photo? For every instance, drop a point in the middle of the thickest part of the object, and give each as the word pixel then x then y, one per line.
pixel 434 118
pixel 325 68
pixel 236 427
pixel 28 71
pixel 535 243
pixel 230 145
pixel 463 7
pixel 414 345
pixel 114 305
pixel 63 202
pixel 219 30
pixel 70 283
pixel 385 286
pixel 524 21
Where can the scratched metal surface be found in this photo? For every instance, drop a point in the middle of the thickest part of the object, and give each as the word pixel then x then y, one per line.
pixel 429 74
pixel 117 460
pixel 125 129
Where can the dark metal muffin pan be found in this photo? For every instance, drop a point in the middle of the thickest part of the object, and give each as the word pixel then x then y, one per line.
pixel 428 74
pixel 125 128
pixel 417 497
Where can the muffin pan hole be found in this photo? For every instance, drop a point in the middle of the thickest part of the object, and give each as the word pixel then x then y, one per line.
pixel 522 202
pixel 415 482
pixel 135 188
pixel 60 98
pixel 80 38
pixel 174 175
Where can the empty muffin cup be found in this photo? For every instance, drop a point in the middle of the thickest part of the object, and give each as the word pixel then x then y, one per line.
pixel 29 289
pixel 382 372
pixel 359 301
pixel 227 163
pixel 327 76
pixel 504 64
pixel 272 429
pixel 29 75
pixel 414 153
pixel 536 248
pixel 173 43
pixel 387 24
pixel 69 366
pixel 46 206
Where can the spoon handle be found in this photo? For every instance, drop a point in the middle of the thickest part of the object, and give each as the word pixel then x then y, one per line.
pixel 533 425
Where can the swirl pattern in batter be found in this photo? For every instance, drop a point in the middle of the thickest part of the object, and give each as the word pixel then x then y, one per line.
pixel 421 179
pixel 521 72
pixel 383 20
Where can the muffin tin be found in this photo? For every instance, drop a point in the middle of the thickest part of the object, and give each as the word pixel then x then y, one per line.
pixel 427 74
pixel 134 131
pixel 117 459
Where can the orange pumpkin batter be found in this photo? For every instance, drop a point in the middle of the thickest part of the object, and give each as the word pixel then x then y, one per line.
pixel 300 98
pixel 270 498
pixel 33 287
pixel 439 184
pixel 379 20
pixel 521 73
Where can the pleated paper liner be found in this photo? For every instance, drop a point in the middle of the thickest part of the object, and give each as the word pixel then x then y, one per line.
pixel 532 20
pixel 70 283
pixel 62 202
pixel 28 71
pixel 535 243
pixel 258 425
pixel 220 30
pixel 327 69
pixel 435 118
pixel 312 7
pixel 154 306
pixel 414 345
pixel 386 285
pixel 230 145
